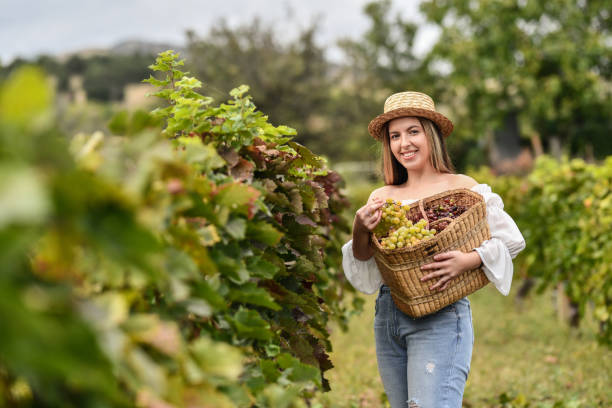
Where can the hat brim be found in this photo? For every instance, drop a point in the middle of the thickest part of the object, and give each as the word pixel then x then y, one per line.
pixel 376 125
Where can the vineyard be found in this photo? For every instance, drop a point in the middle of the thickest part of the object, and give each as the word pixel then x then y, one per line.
pixel 192 257
pixel 564 210
pixel 191 261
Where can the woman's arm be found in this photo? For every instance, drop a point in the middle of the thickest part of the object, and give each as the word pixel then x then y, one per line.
pixel 361 243
pixel 366 219
pixel 358 263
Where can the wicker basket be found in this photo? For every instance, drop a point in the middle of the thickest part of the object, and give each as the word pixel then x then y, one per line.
pixel 401 268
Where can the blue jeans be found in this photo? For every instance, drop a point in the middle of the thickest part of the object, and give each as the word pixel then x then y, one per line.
pixel 423 362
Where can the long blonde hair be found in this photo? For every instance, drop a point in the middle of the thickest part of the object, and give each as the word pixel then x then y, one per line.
pixel 394 173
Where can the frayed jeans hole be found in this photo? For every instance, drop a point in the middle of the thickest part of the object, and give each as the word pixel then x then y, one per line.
pixel 413 404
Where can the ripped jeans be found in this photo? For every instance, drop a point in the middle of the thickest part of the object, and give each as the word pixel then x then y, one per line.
pixel 423 362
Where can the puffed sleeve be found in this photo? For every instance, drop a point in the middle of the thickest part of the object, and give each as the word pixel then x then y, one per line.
pixel 505 243
pixel 363 275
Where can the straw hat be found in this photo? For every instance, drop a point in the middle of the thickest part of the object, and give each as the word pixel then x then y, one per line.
pixel 409 104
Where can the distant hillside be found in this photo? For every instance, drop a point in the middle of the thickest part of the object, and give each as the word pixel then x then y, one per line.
pixel 100 74
pixel 131 47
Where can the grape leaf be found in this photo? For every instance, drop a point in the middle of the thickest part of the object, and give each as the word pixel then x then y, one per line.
pixel 250 293
pixel 249 324
pixel 263 232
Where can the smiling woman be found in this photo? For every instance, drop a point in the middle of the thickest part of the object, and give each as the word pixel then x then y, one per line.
pixel 425 362
pixel 407 143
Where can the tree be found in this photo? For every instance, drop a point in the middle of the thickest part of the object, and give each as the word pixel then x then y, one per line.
pixel 290 81
pixel 105 76
pixel 546 63
pixel 385 55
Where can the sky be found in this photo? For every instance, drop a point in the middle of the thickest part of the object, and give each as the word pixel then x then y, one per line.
pixel 32 27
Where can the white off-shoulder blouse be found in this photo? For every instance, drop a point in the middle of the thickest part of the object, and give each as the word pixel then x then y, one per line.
pixel 496 253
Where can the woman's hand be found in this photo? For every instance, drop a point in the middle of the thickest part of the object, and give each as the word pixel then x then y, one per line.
pixel 449 265
pixel 368 216
pixel 366 219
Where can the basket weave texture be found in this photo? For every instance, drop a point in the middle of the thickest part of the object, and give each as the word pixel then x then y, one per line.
pixel 401 268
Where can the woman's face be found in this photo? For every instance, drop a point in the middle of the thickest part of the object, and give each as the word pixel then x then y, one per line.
pixel 409 143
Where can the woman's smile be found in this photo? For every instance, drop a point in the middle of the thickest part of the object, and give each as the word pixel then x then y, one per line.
pixel 408 155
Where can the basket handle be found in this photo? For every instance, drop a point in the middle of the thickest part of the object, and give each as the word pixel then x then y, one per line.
pixel 423 213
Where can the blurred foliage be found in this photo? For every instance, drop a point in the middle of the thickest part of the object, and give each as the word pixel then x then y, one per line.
pixel 49 356
pixel 548 63
pixel 545 63
pixel 180 264
pixel 542 65
pixel 493 61
pixel 294 83
pixel 290 79
pixel 377 65
pixel 385 54
pixel 84 118
pixel 564 210
pixel 520 400
pixel 104 76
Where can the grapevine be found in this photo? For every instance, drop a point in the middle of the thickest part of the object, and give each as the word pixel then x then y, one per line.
pixel 564 210
pixel 190 260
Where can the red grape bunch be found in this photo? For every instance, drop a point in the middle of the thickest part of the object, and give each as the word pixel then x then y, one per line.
pixel 447 209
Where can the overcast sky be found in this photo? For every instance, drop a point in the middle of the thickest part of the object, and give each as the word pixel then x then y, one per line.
pixel 32 27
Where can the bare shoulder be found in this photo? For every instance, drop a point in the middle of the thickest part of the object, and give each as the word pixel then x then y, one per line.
pixel 462 181
pixel 380 192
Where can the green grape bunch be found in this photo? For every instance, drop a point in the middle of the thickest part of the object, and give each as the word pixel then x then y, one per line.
pixel 393 217
pixel 397 229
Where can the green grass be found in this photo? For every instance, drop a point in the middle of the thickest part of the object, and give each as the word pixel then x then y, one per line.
pixel 523 357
